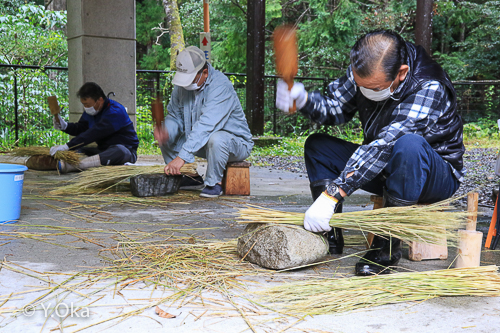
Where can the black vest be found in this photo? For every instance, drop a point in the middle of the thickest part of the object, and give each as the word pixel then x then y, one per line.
pixel 445 137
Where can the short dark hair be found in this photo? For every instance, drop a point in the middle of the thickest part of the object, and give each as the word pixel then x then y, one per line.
pixel 92 90
pixel 383 50
pixel 203 68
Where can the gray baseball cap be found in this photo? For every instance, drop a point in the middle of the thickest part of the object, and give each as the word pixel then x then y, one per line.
pixel 188 63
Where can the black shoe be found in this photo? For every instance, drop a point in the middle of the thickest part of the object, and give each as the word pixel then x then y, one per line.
pixel 334 236
pixel 383 254
pixel 335 241
pixel 191 183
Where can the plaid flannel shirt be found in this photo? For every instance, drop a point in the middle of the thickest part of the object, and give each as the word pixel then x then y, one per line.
pixel 416 114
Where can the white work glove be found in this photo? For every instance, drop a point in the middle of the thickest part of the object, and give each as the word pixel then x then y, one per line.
pixel 55 149
pixel 285 97
pixel 317 218
pixel 63 124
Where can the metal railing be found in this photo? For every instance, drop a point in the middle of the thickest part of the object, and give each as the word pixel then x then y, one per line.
pixel 25 119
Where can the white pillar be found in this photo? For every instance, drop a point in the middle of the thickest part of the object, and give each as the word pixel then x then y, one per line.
pixel 101 48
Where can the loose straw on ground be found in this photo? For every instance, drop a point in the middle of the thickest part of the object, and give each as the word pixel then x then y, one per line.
pixel 68 156
pixel 96 178
pixel 428 223
pixel 326 296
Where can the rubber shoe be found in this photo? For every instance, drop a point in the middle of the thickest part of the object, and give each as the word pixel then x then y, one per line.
pixel 64 167
pixel 191 183
pixel 211 191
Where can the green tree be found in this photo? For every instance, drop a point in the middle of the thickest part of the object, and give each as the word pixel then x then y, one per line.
pixel 33 36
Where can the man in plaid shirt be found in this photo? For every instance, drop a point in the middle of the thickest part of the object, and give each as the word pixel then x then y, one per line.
pixel 412 149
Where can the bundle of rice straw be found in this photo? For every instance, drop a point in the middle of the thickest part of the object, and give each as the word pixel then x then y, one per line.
pixel 429 223
pixel 326 296
pixel 67 156
pixel 96 178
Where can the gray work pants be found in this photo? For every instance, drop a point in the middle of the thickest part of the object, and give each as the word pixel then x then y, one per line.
pixel 222 147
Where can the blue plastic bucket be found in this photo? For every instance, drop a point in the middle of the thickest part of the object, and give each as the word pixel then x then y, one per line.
pixel 11 192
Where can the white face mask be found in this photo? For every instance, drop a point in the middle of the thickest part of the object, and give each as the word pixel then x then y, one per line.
pixel 194 86
pixel 377 96
pixel 91 111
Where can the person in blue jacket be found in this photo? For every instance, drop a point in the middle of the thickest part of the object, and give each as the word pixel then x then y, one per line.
pixel 205 119
pixel 104 122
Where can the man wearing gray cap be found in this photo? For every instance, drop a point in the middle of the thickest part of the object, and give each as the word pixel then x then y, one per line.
pixel 205 119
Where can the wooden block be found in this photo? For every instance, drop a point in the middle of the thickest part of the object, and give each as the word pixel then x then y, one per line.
pixel 469 248
pixel 472 203
pixel 424 251
pixel 236 180
pixel 378 201
pixel 418 251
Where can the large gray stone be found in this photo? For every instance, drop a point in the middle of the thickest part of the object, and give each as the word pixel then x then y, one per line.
pixel 280 246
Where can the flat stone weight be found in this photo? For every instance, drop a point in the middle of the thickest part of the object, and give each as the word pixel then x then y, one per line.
pixel 154 185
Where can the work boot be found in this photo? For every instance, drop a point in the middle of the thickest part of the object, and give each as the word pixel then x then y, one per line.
pixel 384 252
pixel 334 236
pixel 86 163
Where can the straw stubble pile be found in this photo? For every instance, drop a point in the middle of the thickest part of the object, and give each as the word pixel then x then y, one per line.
pixel 326 296
pixel 67 156
pixel 428 223
pixel 95 179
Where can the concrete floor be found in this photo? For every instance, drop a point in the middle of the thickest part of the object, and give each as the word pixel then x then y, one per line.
pixel 100 223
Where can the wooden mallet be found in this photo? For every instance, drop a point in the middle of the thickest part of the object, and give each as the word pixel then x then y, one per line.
pixel 286 55
pixel 157 112
pixel 54 108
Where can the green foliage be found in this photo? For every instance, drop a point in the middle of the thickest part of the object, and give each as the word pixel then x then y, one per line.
pixel 30 35
pixel 154 44
pixel 289 146
pixel 467 39
pixel 33 36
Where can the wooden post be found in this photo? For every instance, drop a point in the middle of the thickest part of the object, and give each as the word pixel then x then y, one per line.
pixel 472 204
pixel 423 24
pixel 256 39
pixel 469 245
pixel 469 248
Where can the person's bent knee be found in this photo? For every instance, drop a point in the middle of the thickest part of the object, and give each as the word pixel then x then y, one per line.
pixel 410 141
pixel 316 142
pixel 410 144
pixel 313 140
pixel 217 140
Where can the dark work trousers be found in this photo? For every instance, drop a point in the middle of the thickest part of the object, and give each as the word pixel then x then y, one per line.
pixel 415 172
pixel 114 155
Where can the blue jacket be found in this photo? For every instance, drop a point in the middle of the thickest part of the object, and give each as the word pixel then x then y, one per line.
pixel 197 115
pixel 110 126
